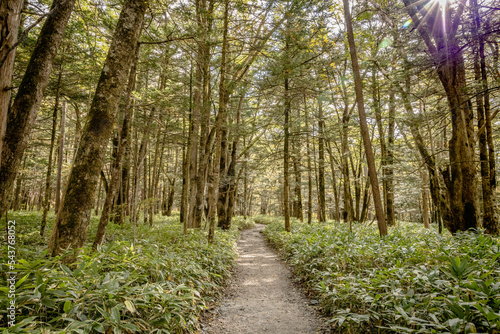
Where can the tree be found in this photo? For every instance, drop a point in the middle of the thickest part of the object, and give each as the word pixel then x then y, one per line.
pixel 71 223
pixel 363 124
pixel 29 95
pixel 440 23
pixel 10 16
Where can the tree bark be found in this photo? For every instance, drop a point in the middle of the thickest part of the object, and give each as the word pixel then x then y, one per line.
pixel 10 16
pixel 29 95
pixel 186 159
pixel 309 167
pixel 286 157
pixel 381 133
pixel 334 182
pixel 391 221
pixel 425 198
pixel 46 201
pixel 370 159
pixel 221 149
pixel 348 214
pixel 489 222
pixel 321 163
pixel 70 230
pixel 60 157
pixel 449 61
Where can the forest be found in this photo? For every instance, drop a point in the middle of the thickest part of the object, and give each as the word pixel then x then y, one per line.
pixel 217 166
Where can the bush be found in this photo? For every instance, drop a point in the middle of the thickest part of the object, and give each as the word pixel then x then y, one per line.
pixel 412 281
pixel 142 280
pixel 243 223
pixel 266 220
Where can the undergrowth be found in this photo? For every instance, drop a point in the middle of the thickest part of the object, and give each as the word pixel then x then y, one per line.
pixel 412 281
pixel 142 280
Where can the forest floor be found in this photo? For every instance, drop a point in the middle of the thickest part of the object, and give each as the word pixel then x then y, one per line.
pixel 262 297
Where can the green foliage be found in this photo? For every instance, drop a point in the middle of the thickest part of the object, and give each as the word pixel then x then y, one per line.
pixel 143 280
pixel 266 220
pixel 243 223
pixel 412 281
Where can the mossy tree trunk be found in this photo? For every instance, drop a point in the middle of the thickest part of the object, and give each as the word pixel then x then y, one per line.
pixel 70 230
pixel 29 96
pixel 10 16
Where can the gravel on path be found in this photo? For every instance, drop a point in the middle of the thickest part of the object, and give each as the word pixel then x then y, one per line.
pixel 262 297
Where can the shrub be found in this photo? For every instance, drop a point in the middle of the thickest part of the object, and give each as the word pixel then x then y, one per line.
pixel 412 281
pixel 142 280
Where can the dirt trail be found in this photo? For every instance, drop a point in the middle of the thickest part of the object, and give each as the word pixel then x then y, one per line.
pixel 262 297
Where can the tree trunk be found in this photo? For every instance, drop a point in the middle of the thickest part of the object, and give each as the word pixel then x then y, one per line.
pixel 184 214
pixel 70 230
pixel 334 183
pixel 425 198
pixel 29 95
pixel 370 159
pixel 10 16
pixel 60 157
pixel 381 133
pixel 348 214
pixel 123 190
pixel 450 66
pixel 321 163
pixel 204 17
pixel 286 155
pixel 482 103
pixel 221 148
pixel 116 165
pixel 391 221
pixel 309 167
pixel 46 201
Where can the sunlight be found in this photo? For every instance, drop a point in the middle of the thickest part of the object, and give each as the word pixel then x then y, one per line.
pixel 431 6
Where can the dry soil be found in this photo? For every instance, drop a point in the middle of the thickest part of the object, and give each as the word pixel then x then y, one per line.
pixel 262 297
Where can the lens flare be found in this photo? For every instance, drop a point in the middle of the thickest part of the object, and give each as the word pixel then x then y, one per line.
pixel 407 23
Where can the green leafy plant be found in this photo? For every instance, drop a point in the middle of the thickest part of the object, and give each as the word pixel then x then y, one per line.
pixel 412 281
pixel 137 282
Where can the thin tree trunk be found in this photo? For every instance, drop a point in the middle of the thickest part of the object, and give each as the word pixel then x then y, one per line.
pixel 205 11
pixel 370 159
pixel 321 163
pixel 153 180
pixel 70 230
pixel 483 116
pixel 348 214
pixel 286 154
pixel 425 198
pixel 309 167
pixel 46 201
pixel 391 221
pixel 334 181
pixel 186 158
pixel 60 157
pixel 123 192
pixel 381 133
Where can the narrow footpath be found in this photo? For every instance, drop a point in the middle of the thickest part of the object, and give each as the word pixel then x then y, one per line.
pixel 262 297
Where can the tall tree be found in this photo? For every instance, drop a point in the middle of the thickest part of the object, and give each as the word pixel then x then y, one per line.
pixel 321 163
pixel 23 112
pixel 10 16
pixel 70 230
pixel 440 23
pixel 370 159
